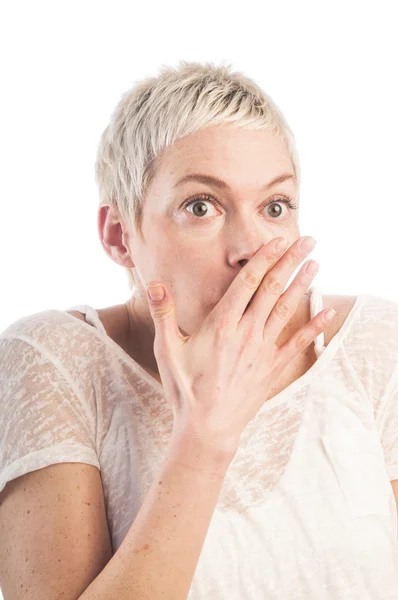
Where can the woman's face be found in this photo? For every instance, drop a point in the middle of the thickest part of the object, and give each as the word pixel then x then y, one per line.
pixel 198 249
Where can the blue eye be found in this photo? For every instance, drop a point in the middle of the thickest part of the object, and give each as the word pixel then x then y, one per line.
pixel 203 198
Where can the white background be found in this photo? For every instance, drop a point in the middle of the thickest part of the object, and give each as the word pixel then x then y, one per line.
pixel 330 67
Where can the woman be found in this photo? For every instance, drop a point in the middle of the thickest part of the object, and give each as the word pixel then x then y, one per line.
pixel 234 442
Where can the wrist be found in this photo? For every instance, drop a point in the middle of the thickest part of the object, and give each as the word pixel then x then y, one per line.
pixel 199 452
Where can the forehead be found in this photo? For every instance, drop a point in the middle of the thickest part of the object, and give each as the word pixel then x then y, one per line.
pixel 229 153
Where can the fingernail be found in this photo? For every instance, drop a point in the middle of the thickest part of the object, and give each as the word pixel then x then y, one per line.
pixel 156 293
pixel 281 245
pixel 329 314
pixel 307 244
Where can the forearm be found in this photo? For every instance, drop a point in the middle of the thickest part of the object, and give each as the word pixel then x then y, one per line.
pixel 159 555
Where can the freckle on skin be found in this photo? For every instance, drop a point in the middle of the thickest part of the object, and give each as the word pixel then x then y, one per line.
pixel 144 547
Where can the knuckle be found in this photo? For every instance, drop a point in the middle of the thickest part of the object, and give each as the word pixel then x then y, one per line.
pixel 302 340
pixel 220 324
pixel 223 323
pixel 249 278
pixel 161 314
pixel 283 310
pixel 273 286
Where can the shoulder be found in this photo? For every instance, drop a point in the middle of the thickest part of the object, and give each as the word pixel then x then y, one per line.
pixel 39 327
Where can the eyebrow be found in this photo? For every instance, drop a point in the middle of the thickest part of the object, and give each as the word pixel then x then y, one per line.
pixel 220 183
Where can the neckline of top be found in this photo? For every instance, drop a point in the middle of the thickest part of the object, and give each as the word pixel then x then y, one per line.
pixel 324 354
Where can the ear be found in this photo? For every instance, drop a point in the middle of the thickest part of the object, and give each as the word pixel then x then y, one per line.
pixel 113 235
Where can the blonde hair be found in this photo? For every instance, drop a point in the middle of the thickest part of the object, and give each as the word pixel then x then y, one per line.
pixel 159 110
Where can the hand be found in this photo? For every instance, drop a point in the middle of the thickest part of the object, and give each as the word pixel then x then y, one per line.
pixel 217 379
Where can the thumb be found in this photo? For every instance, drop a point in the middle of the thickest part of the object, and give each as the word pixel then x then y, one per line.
pixel 163 311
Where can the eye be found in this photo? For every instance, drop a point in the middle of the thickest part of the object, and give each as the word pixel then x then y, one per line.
pixel 201 199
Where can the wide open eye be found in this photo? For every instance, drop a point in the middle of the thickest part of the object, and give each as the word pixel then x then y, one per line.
pixel 203 199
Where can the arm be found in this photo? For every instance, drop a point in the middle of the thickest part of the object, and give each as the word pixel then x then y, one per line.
pixel 159 554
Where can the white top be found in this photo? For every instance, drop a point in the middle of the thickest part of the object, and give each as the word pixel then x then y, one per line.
pixel 306 510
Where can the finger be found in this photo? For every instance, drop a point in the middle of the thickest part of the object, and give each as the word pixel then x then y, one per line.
pixel 163 312
pixel 245 284
pixel 288 302
pixel 269 292
pixel 302 338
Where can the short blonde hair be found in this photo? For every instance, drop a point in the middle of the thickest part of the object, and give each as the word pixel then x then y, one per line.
pixel 159 110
